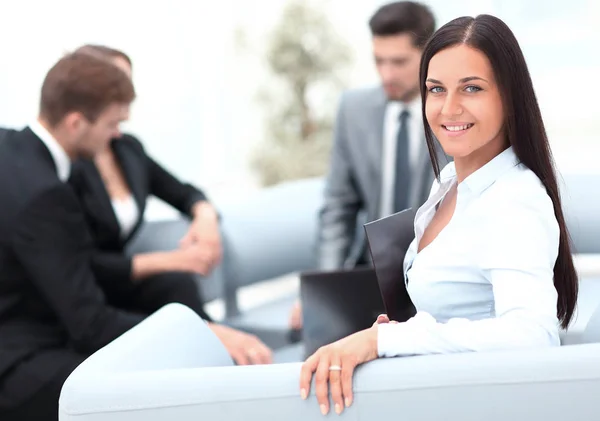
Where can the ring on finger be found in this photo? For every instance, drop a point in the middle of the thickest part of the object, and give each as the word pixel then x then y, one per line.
pixel 335 368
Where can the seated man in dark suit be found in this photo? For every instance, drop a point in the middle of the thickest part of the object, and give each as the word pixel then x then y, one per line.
pixel 52 313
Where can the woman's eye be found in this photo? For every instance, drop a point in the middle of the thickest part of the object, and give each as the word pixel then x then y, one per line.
pixel 472 88
pixel 436 89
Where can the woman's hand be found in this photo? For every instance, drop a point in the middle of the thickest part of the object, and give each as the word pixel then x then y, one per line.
pixel 383 318
pixel 204 232
pixel 334 366
pixel 192 259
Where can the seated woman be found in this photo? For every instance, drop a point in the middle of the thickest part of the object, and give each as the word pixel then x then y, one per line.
pixel 113 189
pixel 490 267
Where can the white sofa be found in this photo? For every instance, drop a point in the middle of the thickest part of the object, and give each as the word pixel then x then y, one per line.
pixel 170 367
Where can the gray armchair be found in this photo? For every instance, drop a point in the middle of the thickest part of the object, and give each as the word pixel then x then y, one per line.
pixel 265 236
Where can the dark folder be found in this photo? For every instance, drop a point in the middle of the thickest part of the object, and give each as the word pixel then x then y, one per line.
pixel 388 239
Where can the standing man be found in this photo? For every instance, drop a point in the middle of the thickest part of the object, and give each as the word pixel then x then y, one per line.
pixel 379 162
pixel 52 312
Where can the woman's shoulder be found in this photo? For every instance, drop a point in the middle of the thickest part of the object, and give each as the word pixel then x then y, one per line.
pixel 519 211
pixel 521 183
pixel 520 194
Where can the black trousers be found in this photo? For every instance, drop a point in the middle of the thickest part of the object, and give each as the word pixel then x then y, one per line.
pixel 42 405
pixel 41 397
pixel 156 291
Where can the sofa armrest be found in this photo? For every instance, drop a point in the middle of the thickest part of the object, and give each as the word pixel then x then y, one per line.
pixel 174 337
pixel 587 265
pixel 546 384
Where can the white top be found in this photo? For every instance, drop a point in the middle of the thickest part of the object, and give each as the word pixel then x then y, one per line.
pixel 59 156
pixel 486 281
pixel 127 214
pixel 391 126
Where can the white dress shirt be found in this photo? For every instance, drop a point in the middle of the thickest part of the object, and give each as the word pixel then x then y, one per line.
pixel 127 214
pixel 390 138
pixel 59 156
pixel 486 281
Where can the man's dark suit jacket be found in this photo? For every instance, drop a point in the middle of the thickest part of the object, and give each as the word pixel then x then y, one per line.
pixel 145 178
pixel 49 298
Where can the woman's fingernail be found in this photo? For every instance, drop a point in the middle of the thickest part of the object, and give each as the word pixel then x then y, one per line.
pixel 348 402
pixel 338 408
pixel 324 409
pixel 303 394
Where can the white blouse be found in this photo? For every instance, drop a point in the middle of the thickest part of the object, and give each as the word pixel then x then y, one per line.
pixel 486 281
pixel 127 214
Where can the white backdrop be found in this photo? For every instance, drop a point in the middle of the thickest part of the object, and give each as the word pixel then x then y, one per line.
pixel 196 110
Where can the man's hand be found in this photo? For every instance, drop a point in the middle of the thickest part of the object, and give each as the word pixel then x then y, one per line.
pixel 245 349
pixel 204 232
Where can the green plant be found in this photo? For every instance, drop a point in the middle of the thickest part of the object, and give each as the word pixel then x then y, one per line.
pixel 306 58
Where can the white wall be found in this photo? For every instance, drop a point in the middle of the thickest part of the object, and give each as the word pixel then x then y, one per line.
pixel 196 110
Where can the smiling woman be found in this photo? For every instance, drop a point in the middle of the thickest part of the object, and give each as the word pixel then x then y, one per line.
pixel 463 105
pixel 490 267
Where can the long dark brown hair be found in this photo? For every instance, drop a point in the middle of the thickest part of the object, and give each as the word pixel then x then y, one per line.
pixel 523 124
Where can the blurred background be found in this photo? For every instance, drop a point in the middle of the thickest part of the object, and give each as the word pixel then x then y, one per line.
pixel 235 95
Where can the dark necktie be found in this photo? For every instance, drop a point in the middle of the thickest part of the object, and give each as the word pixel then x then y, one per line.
pixel 402 179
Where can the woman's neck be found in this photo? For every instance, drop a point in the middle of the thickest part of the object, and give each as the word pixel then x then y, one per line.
pixel 467 165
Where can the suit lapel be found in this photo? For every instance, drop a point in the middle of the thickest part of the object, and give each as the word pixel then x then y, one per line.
pixel 374 147
pixel 95 197
pixel 97 200
pixel 134 172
